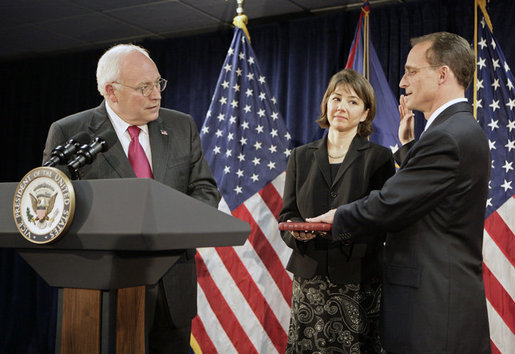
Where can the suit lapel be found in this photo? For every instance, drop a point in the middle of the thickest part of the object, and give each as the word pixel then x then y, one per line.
pixel 448 112
pixel 158 143
pixel 115 156
pixel 322 160
pixel 354 151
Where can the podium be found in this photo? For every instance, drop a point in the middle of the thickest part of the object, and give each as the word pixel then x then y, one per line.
pixel 126 233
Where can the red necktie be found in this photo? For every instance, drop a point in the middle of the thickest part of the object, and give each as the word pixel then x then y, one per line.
pixel 137 156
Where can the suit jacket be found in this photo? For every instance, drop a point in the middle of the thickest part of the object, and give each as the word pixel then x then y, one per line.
pixel 434 210
pixel 309 192
pixel 177 161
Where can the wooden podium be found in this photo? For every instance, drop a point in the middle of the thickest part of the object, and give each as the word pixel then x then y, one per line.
pixel 126 233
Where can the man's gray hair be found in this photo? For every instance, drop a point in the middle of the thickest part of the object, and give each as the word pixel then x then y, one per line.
pixel 108 68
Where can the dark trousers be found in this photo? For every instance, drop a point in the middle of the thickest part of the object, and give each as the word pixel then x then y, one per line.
pixel 164 337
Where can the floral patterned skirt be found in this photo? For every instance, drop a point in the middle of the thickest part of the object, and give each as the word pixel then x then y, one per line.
pixel 334 318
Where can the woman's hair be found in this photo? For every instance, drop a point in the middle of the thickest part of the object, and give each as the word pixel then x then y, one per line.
pixel 351 79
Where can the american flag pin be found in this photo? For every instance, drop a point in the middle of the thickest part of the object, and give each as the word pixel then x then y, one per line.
pixel 164 132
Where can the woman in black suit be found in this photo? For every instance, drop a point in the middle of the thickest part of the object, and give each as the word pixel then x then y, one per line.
pixel 336 287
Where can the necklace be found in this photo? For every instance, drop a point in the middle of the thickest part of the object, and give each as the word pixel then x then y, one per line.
pixel 336 157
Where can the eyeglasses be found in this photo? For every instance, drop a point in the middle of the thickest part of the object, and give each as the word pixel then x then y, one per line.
pixel 411 72
pixel 147 89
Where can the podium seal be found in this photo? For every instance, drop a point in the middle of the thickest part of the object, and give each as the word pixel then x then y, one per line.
pixel 43 205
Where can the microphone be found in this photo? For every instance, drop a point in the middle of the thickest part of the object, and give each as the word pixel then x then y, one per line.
pixel 88 153
pixel 62 154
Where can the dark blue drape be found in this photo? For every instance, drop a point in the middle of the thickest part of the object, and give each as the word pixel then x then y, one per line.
pixel 297 56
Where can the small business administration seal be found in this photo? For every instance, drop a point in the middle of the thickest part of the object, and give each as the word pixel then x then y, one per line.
pixel 44 205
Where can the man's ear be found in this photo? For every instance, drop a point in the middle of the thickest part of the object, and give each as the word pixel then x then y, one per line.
pixel 111 93
pixel 445 74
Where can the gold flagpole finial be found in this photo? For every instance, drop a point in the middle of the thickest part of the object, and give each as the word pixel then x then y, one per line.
pixel 241 19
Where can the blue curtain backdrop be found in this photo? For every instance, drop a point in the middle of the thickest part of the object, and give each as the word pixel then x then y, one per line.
pixel 297 56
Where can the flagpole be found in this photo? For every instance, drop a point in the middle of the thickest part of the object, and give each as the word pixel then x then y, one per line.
pixel 241 19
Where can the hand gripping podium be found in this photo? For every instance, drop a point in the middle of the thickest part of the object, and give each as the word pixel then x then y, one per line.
pixel 126 233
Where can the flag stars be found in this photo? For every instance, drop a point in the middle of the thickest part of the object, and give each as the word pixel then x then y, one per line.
pixel 249 92
pixel 228 67
pixel 482 43
pixel 236 88
pixel 496 84
pixel 232 120
pixel 245 125
pixel 273 133
pixel 259 129
pixel 509 84
pixel 506 67
pixel 205 129
pixel 241 55
pixel 219 133
pixel 239 173
pixel 243 141
pixel 222 100
pixel 239 72
pixel 250 60
pixel 262 79
pixel 227 169
pixel 238 190
pixel 273 100
pixel 495 63
pixel 494 105
pixel 511 103
pixel 228 153
pixel 506 185
pixel 257 145
pixel 225 84
pixel 511 125
pixel 508 166
pixel 262 96
pixel 272 149
pixel 493 124
pixel 510 145
pixel 256 161
pixel 216 150
pixel 275 116
pixel 271 165
pixel 234 104
pixel 254 177
pixel 230 136
pixel 491 144
pixel 493 44
pixel 480 84
pixel 489 202
pixel 261 113
pixel 287 136
pixel 250 76
pixel 241 157
pixel 247 109
pixel 481 63
pixel 478 104
pixel 230 51
pixel 221 117
pixel 287 152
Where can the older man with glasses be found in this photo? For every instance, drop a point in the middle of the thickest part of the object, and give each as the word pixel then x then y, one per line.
pixel 153 142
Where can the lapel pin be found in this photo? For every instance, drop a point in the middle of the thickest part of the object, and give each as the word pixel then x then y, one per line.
pixel 164 132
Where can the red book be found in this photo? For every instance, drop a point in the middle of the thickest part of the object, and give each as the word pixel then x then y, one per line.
pixel 305 226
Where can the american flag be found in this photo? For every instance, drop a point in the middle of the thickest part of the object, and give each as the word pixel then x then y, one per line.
pixel 245 292
pixel 495 103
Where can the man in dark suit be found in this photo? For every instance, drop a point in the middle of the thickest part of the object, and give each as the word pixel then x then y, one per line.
pixel 433 209
pixel 131 85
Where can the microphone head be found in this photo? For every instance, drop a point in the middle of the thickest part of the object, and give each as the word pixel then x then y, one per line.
pixel 81 138
pixel 108 139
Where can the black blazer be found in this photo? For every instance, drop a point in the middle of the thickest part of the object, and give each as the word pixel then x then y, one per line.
pixel 434 210
pixel 177 161
pixel 308 192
